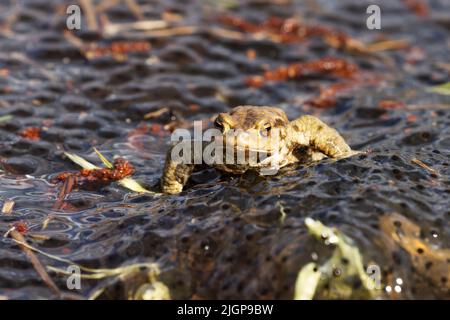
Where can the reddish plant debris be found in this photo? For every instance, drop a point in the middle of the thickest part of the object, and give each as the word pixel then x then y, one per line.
pixel 116 49
pixel 418 7
pixel 193 107
pixel 391 104
pixel 31 133
pixel 240 24
pixel 415 55
pixel 411 118
pixel 66 250
pixel 6 89
pixel 155 129
pixel 325 66
pixel 21 227
pixel 98 177
pixel 291 30
pixel 159 130
pixel 47 123
pixel 141 129
pixel 251 54
pixel 328 96
pixel 4 72
pixel 66 188
pixel 285 30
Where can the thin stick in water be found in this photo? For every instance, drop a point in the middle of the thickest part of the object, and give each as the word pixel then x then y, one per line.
pixel 40 269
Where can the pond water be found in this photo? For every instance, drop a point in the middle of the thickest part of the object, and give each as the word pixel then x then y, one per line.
pixel 222 237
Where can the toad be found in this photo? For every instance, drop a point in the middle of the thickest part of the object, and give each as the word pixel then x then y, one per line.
pixel 260 139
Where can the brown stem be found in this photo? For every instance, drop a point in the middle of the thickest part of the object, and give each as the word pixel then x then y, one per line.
pixel 40 269
pixel 65 190
pixel 89 10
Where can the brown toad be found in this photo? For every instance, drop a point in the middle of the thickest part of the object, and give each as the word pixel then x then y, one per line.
pixel 262 139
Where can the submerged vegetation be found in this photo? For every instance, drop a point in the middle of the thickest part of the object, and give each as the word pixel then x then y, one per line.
pixel 343 276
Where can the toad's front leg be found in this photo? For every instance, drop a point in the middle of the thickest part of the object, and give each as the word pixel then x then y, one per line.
pixel 175 175
pixel 312 132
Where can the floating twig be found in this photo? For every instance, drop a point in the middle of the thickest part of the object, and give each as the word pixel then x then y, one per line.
pixel 90 13
pixel 48 219
pixel 40 269
pixel 12 15
pixel 156 113
pixel 113 29
pixel 387 45
pixel 105 5
pixel 131 4
pixel 121 272
pixel 425 166
pixel 282 212
pixel 67 187
pixel 8 206
pixel 135 9
pixel 161 33
pixel 292 30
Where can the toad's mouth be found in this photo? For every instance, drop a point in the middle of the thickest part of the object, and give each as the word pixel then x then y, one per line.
pixel 249 147
pixel 250 142
pixel 241 155
pixel 246 150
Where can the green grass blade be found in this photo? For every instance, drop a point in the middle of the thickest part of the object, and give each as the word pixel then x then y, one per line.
pixel 128 182
pixel 80 161
pixel 443 89
pixel 104 160
pixel 133 185
pixel 5 118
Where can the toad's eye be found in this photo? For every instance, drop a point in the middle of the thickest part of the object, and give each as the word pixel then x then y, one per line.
pixel 218 124
pixel 265 131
